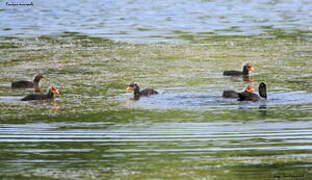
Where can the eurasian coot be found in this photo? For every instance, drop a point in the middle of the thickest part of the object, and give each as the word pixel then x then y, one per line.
pixel 234 94
pixel 246 68
pixel 248 96
pixel 136 90
pixel 28 84
pixel 49 95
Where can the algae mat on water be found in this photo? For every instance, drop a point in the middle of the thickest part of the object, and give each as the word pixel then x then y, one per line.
pixel 93 130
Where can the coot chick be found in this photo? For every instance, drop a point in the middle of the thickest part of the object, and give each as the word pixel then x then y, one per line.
pixel 246 68
pixel 248 96
pixel 136 90
pixel 234 94
pixel 49 95
pixel 28 84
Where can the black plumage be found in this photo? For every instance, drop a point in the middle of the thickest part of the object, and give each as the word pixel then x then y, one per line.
pixel 28 84
pixel 49 95
pixel 230 94
pixel 248 96
pixel 246 68
pixel 137 93
pixel 234 94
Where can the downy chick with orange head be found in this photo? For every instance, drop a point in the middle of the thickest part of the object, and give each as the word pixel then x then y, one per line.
pixel 246 69
pixel 134 86
pixel 234 94
pixel 47 96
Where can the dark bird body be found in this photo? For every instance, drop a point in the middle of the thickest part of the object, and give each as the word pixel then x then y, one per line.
pixel 248 96
pixel 137 93
pixel 246 68
pixel 49 95
pixel 22 84
pixel 147 92
pixel 234 94
pixel 230 94
pixel 28 84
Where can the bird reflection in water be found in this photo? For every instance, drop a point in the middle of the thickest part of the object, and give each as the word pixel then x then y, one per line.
pixel 55 107
pixel 247 79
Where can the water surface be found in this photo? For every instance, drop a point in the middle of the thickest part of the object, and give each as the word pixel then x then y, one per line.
pixel 154 21
pixel 94 129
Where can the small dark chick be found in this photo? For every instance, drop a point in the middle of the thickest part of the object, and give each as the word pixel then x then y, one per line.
pixel 246 69
pixel 234 94
pixel 248 96
pixel 28 84
pixel 47 96
pixel 136 90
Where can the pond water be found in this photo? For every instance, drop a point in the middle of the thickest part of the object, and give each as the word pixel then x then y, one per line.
pixel 206 100
pixel 94 129
pixel 154 21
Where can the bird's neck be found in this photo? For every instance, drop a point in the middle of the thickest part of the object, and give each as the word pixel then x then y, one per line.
pixel 36 81
pixel 136 91
pixel 50 94
pixel 245 71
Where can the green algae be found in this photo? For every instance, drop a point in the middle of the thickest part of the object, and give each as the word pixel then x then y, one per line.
pixel 92 75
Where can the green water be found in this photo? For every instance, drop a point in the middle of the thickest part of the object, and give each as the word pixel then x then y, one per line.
pixel 93 130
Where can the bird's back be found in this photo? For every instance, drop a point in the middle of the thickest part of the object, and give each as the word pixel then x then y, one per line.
pixel 31 97
pixel 232 73
pixel 148 92
pixel 230 94
pixel 22 84
pixel 247 96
